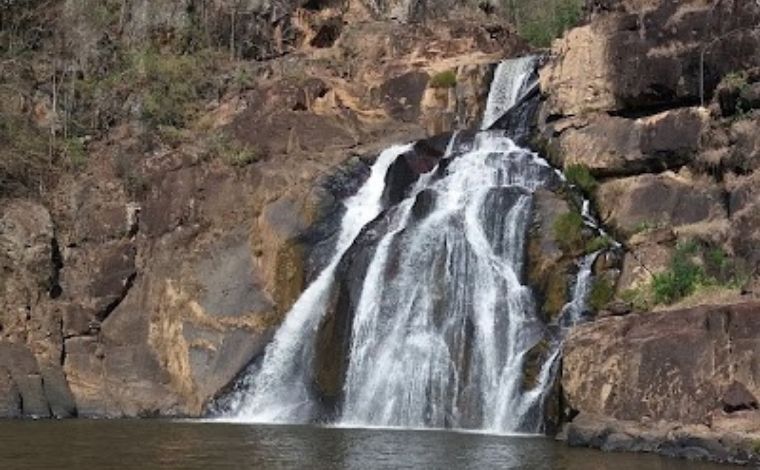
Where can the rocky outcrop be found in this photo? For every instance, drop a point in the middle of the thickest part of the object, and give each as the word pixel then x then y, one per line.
pixel 647 55
pixel 663 200
pixel 616 146
pixel 677 382
pixel 693 441
pixel 655 100
pixel 620 96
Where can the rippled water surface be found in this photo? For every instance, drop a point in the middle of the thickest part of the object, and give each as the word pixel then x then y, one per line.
pixel 151 445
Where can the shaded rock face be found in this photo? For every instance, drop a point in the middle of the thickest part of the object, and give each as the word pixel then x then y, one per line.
pixel 30 335
pixel 673 366
pixel 693 442
pixel 660 200
pixel 548 268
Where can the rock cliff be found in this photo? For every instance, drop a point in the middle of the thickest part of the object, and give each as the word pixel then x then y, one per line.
pixel 143 280
pixel 655 101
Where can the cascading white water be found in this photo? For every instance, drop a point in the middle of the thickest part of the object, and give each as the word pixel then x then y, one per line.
pixel 444 322
pixel 572 312
pixel 441 341
pixel 512 79
pixel 279 390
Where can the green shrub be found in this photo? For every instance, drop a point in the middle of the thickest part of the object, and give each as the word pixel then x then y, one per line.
pixel 540 21
pixel 601 293
pixel 169 88
pixel 756 446
pixel 640 298
pixel 602 242
pixel 568 231
pixel 172 86
pixel 447 79
pixel 581 177
pixel 75 153
pixel 233 152
pixel 736 80
pixel 645 226
pixel 681 278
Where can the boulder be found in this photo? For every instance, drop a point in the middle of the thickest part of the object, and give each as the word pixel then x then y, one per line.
pixel 670 439
pixel 648 253
pixel 737 398
pixel 629 205
pixel 674 366
pixel 617 146
pixel 548 268
pixel 422 158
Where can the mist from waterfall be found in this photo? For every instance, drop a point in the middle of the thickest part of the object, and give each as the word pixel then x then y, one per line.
pixel 445 321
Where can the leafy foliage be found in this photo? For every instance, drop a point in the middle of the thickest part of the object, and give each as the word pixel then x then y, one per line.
pixel 233 152
pixel 172 85
pixel 447 79
pixel 681 278
pixel 581 177
pixel 602 242
pixel 602 292
pixel 568 231
pixel 540 21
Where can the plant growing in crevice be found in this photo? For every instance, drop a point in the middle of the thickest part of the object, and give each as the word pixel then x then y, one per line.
pixel 446 79
pixel 580 177
pixel 682 276
pixel 602 292
pixel 233 152
pixel 601 242
pixel 568 231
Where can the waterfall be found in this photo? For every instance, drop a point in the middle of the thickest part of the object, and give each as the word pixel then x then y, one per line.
pixel 442 325
pixel 279 391
pixel 512 79
pixel 440 340
pixel 573 312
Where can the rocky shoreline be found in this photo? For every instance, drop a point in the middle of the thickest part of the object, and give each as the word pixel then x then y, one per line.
pixel 675 440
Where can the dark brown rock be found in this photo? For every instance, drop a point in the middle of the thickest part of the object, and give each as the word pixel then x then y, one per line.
pixel 402 96
pixel 10 400
pixel 617 146
pixel 548 268
pixel 738 398
pixel 671 439
pixel 407 169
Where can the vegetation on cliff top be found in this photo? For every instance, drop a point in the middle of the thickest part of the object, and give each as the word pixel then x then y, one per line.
pixel 694 268
pixel 56 99
pixel 540 21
